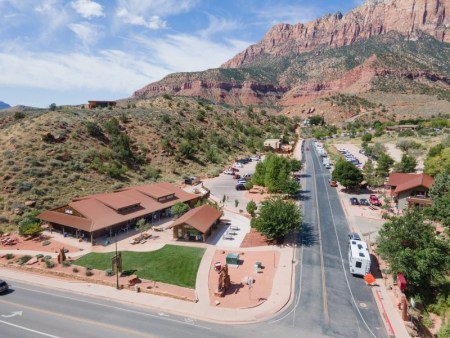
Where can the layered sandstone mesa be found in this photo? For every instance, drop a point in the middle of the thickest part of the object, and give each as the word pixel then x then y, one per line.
pixel 375 17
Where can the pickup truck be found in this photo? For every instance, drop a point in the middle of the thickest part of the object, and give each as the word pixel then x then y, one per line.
pixel 373 199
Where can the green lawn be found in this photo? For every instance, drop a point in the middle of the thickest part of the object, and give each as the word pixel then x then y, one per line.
pixel 171 264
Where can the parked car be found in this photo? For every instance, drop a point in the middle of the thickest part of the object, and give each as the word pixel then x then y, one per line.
pixel 354 201
pixel 240 186
pixel 238 165
pixel 333 184
pixel 373 199
pixel 228 171
pixel 355 236
pixel 363 201
pixel 191 180
pixel 241 181
pixel 236 176
pixel 3 286
pixel 247 176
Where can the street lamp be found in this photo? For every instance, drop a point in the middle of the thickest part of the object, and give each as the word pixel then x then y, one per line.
pixel 117 266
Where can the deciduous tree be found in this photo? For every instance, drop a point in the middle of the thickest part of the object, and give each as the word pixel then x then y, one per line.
pixel 410 247
pixel 277 218
pixel 346 174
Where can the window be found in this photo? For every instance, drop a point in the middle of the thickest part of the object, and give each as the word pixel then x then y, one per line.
pixel 358 264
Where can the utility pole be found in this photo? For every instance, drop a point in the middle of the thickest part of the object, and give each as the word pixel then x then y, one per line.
pixel 117 266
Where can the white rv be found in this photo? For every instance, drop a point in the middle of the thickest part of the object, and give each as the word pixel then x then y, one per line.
pixel 326 162
pixel 358 257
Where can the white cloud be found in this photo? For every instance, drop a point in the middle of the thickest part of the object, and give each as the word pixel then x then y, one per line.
pixel 86 32
pixel 87 8
pixel 287 14
pixel 110 71
pixel 154 22
pixel 190 53
pixel 155 7
pixel 218 25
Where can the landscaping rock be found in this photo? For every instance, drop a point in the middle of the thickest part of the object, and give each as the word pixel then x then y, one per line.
pixel 30 203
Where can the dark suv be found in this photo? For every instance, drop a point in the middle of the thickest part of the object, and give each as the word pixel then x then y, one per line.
pixel 3 286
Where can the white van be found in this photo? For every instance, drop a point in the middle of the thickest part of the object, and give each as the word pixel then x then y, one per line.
pixel 358 257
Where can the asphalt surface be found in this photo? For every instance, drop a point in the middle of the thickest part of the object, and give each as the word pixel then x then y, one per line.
pixel 329 301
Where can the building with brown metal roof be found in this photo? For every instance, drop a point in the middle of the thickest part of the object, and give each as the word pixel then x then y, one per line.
pixel 197 224
pixel 410 189
pixel 105 214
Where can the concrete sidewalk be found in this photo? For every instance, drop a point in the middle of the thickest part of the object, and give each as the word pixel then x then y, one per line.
pixel 202 310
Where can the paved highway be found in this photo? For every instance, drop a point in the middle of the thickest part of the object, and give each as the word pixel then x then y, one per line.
pixel 329 301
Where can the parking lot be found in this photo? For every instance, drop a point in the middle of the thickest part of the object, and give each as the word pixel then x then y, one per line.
pixel 225 185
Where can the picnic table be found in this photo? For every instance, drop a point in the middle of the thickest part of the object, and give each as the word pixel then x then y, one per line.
pixel 228 237
pixel 234 228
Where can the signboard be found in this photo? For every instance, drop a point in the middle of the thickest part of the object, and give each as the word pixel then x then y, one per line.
pixel 116 263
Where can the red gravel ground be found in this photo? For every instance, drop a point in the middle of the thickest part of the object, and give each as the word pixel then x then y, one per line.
pixel 239 295
pixel 254 239
pixel 36 245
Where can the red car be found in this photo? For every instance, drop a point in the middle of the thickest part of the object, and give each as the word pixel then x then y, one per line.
pixel 236 176
pixel 333 184
pixel 373 199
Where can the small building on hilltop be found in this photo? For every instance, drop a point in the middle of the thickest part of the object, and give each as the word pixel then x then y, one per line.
pixel 410 189
pixel 274 143
pixel 101 104
pixel 105 214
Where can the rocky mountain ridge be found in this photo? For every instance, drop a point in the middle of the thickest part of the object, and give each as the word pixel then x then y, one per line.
pixel 376 48
pixel 375 17
pixel 4 105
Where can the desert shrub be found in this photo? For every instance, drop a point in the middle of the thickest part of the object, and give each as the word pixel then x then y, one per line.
pixel 3 219
pixel 47 257
pixel 89 267
pixel 39 256
pixel 152 173
pixel 49 264
pixel 9 256
pixel 109 272
pixel 24 259
pixel 75 270
pixel 94 129
pixel 89 273
pixel 66 263
pixel 24 186
pixel 19 115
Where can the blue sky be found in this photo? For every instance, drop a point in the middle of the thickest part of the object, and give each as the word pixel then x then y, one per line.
pixel 72 51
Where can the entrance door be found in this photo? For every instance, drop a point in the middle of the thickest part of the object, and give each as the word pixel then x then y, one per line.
pixel 180 233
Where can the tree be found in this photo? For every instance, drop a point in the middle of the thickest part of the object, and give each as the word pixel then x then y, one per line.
pixel 434 165
pixel 29 228
pixel 52 107
pixel 251 207
pixel 316 120
pixel 441 185
pixel 369 174
pixel 384 163
pixel 179 209
pixel 410 246
pixel 142 226
pixel 406 165
pixel 346 174
pixel 277 218
pixel 367 137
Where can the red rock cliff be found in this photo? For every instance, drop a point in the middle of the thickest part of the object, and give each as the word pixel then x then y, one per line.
pixel 375 17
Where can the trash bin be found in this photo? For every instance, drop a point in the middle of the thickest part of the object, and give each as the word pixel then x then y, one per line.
pixel 257 267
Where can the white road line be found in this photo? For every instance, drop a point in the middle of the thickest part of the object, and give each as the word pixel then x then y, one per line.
pixel 114 307
pixel 343 265
pixel 30 330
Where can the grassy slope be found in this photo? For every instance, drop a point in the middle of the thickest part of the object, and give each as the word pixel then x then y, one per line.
pixel 54 173
pixel 171 264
